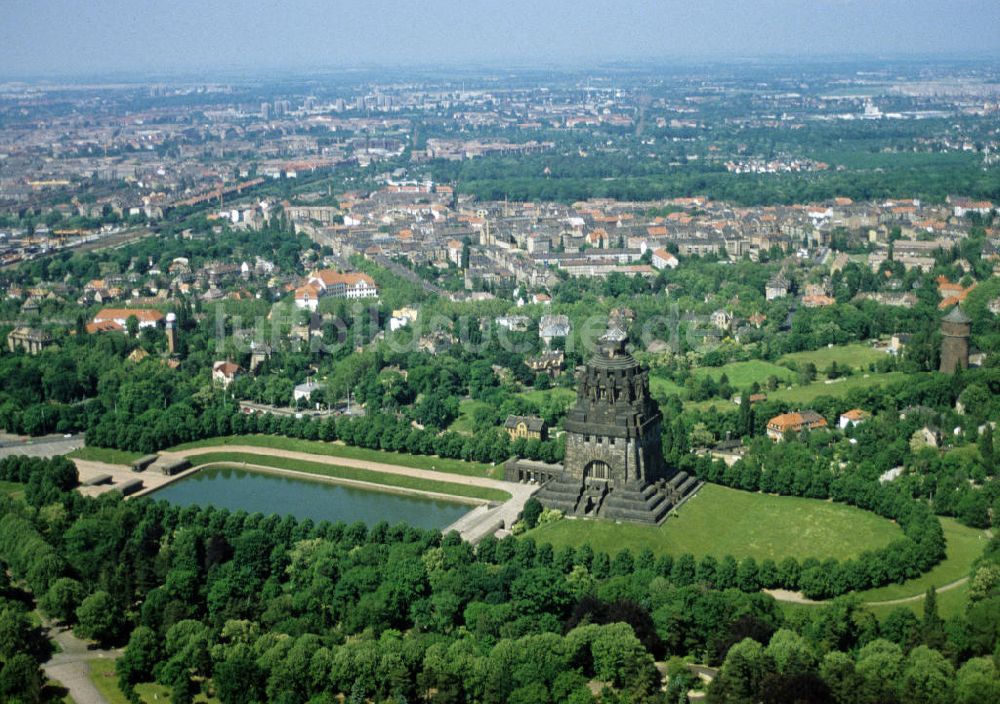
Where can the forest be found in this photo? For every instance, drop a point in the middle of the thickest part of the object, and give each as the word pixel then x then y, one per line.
pixel 249 608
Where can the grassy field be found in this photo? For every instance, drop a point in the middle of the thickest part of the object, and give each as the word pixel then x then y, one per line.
pixel 102 675
pixel 401 481
pixel 721 405
pixel 11 488
pixel 540 396
pixel 332 449
pixel 808 394
pixel 466 407
pixel 105 454
pixel 661 385
pixel 950 604
pixel 743 374
pixel 719 521
pixel 964 545
pixel 858 356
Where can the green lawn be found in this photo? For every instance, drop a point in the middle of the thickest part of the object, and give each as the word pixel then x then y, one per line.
pixel 660 385
pixel 105 454
pixel 964 545
pixel 721 406
pixel 858 356
pixel 102 675
pixel 743 374
pixel 11 488
pixel 401 481
pixel 466 407
pixel 804 395
pixel 332 449
pixel 719 521
pixel 809 393
pixel 561 394
pixel 950 604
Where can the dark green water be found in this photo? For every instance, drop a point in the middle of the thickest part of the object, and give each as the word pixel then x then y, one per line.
pixel 260 492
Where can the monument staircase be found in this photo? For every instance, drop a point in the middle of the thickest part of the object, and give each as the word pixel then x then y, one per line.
pixel 633 501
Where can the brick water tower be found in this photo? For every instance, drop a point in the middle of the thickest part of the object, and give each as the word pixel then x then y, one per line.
pixel 956 327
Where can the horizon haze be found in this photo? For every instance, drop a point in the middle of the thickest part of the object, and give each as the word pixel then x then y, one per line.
pixel 61 38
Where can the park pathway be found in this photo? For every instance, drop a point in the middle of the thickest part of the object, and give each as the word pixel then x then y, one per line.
pixel 487 520
pixel 917 597
pixel 345 462
pixel 71 668
pixel 797 598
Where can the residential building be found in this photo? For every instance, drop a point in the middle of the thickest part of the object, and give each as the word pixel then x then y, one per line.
pixel 455 252
pixel 777 287
pixel 401 317
pixel 662 259
pixel 794 422
pixel 853 417
pixel 304 392
pixel 528 427
pixel 119 316
pixel 350 285
pixel 550 363
pixel 307 297
pixel 553 326
pixel 225 373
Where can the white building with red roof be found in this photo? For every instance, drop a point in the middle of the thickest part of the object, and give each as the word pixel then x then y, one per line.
pixel 663 259
pixel 328 282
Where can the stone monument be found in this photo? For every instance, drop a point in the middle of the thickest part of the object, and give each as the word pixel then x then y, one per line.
pixel 614 466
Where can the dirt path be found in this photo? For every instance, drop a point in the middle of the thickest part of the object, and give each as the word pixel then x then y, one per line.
pixel 348 462
pixel 797 598
pixel 907 599
pixel 790 596
pixel 71 669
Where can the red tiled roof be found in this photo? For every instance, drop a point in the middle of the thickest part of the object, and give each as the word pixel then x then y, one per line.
pixel 104 326
pixel 141 314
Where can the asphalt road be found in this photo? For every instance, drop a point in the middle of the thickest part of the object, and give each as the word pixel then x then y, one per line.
pixel 43 446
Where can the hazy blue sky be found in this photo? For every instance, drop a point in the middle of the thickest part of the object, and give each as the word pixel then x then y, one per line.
pixel 74 36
